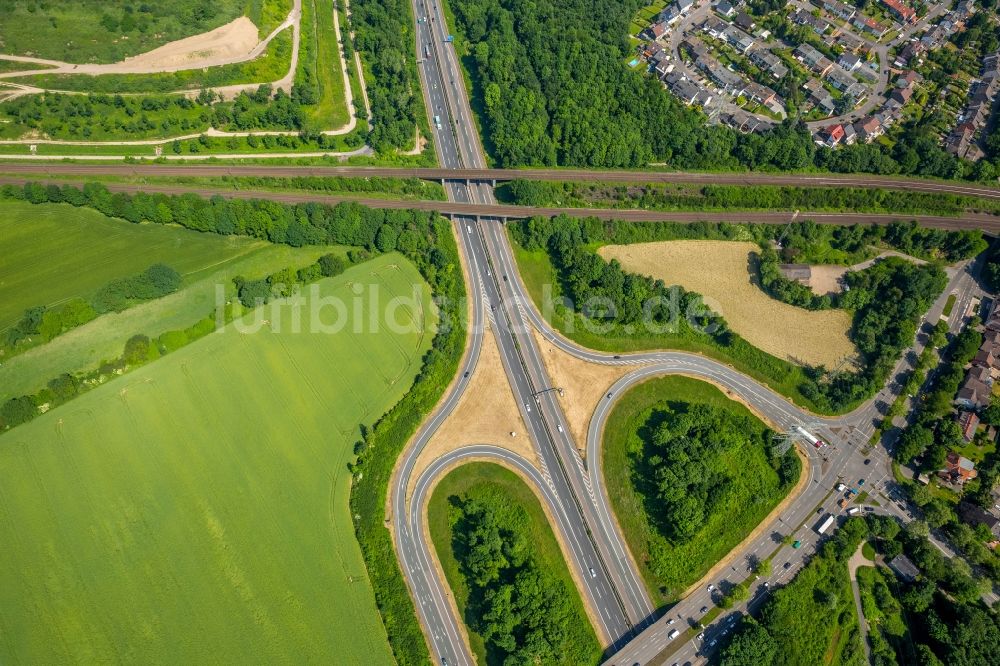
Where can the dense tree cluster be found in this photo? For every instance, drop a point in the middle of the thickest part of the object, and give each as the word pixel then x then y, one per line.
pixel 521 610
pixel 681 463
pixel 384 34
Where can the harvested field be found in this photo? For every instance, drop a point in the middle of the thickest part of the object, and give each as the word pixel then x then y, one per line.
pixel 720 271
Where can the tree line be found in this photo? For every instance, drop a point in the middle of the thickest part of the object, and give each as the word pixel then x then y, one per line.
pixel 666 196
pixel 41 323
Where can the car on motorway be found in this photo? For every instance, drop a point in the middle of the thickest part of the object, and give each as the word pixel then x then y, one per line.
pixel 701 636
pixel 593 574
pixel 670 621
pixel 437 121
pixel 788 565
pixel 559 427
pixel 868 461
pixel 861 482
pixel 704 609
pixel 711 588
pixel 673 634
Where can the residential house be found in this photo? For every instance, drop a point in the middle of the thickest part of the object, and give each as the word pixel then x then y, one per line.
pixel 900 96
pixel 744 21
pixel 908 79
pixel 909 54
pixel 869 25
pixel 992 321
pixel 832 135
pixel 656 30
pixel 869 129
pixel 818 63
pixel 715 27
pixel 842 11
pixel 850 135
pixel 724 8
pixel 686 90
pixel 935 37
pixel 968 422
pixel 670 15
pixel 904 568
pixel 962 140
pixel 848 41
pixel 728 81
pixel 684 5
pixel 976 390
pixel 820 96
pixel 975 515
pixel 850 61
pixel 900 11
pixel 818 25
pixel 840 79
pixel 650 49
pixel 696 48
pixel 745 122
pixel 760 94
pixel 738 39
pixel 769 62
pixel 958 469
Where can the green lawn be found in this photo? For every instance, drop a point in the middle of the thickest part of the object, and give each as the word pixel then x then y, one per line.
pixel 195 510
pixel 84 348
pixel 323 57
pixel 949 304
pixel 537 273
pixel 755 488
pixel 53 252
pixel 493 483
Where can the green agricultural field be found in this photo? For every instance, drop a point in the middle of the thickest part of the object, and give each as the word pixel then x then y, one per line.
pixel 53 252
pixel 84 31
pixel 669 564
pixel 195 510
pixel 519 510
pixel 84 348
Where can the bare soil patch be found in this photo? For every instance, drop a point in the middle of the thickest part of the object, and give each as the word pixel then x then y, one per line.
pixel 720 271
pixel 584 384
pixel 486 414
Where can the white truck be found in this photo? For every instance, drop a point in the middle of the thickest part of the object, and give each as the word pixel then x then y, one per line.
pixel 825 525
pixel 809 437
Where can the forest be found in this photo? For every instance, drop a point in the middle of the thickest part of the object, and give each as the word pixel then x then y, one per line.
pixel 555 89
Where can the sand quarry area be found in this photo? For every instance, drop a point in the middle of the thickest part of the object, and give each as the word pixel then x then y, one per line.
pixel 720 271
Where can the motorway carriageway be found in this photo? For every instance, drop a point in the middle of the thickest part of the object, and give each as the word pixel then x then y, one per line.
pixel 986 222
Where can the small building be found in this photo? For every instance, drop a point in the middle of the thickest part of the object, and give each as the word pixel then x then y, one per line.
pixel 908 79
pixel 904 568
pixel 842 11
pixel 869 129
pixel 818 63
pixel 969 423
pixel 769 62
pixel 818 25
pixel 797 272
pixel 656 30
pixel 976 389
pixel 901 95
pixel 869 25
